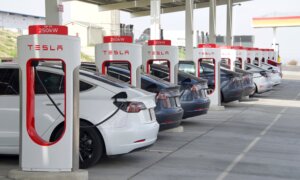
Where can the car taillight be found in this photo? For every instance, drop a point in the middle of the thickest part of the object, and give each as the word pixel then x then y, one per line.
pixel 135 107
pixel 164 98
pixel 161 96
pixel 131 107
pixel 194 88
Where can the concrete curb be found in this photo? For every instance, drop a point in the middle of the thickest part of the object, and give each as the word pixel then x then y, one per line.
pixel 27 175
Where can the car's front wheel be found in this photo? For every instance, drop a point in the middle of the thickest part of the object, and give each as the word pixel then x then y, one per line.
pixel 91 145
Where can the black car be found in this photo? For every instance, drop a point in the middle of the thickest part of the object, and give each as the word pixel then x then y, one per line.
pixel 231 82
pixel 193 98
pixel 247 81
pixel 168 109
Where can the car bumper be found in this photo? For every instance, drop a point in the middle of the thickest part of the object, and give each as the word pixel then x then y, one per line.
pixel 169 118
pixel 276 80
pixel 248 90
pixel 233 95
pixel 127 139
pixel 195 108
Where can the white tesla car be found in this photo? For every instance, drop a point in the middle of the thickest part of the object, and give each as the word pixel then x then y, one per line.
pixel 132 127
pixel 274 71
pixel 261 78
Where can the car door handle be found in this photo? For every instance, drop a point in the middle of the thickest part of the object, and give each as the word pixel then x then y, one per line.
pixel 50 104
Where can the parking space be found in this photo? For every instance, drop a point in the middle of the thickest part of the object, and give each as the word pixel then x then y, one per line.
pixel 255 139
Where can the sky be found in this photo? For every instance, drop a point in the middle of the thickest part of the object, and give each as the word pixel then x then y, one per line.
pixel 288 38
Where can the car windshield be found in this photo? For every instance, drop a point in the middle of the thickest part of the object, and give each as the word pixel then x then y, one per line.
pixel 189 68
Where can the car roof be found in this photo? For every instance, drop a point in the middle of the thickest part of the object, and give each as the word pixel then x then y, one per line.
pixel 222 69
pixel 82 72
pixel 182 74
pixel 146 77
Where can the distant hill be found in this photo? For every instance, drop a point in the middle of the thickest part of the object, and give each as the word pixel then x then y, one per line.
pixel 8 43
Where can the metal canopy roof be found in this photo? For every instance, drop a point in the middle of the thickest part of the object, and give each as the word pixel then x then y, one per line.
pixel 142 7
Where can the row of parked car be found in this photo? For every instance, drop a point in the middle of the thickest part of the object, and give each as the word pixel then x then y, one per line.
pixel 132 116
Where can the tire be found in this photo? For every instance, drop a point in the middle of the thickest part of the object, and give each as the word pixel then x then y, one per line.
pixel 91 145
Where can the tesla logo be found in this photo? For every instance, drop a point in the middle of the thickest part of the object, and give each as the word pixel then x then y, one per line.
pixel 206 53
pixel 158 53
pixel 116 52
pixel 226 54
pixel 45 47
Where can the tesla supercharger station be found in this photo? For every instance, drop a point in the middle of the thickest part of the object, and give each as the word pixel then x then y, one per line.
pixel 258 56
pixel 241 56
pixel 120 49
pixel 264 55
pixel 49 43
pixel 270 54
pixel 161 51
pixel 250 55
pixel 229 56
pixel 273 61
pixel 210 53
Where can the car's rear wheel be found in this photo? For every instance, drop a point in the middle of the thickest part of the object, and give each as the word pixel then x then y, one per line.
pixel 91 145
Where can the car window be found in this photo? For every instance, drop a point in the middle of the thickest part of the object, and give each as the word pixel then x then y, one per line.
pixel 159 73
pixel 124 78
pixel 9 84
pixel 207 69
pixel 201 70
pixel 119 76
pixel 188 68
pixel 113 74
pixel 85 86
pixel 54 83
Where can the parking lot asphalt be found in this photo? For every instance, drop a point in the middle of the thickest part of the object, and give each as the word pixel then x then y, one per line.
pixel 257 139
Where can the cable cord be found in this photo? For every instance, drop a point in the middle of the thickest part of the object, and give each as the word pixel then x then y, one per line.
pixel 46 91
pixel 55 105
pixel 106 119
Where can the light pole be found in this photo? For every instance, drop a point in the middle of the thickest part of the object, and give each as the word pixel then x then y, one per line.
pixel 233 20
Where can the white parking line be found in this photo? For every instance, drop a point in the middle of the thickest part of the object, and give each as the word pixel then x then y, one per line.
pixel 249 147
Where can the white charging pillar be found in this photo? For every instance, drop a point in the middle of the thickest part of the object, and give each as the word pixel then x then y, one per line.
pixel 258 56
pixel 241 56
pixel 264 55
pixel 273 61
pixel 210 53
pixel 271 55
pixel 120 49
pixel 49 43
pixel 229 55
pixel 161 51
pixel 250 55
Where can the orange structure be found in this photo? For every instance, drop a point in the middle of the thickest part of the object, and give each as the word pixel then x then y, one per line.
pixel 265 22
